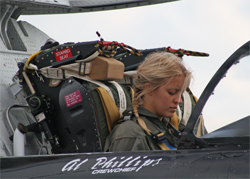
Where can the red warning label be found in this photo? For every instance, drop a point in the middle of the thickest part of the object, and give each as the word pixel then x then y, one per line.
pixel 73 98
pixel 63 54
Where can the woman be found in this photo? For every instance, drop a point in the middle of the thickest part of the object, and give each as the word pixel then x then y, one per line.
pixel 159 83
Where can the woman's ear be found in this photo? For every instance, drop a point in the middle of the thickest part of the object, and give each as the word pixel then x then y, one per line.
pixel 148 85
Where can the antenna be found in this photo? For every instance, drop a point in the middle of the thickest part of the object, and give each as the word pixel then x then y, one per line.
pixel 99 35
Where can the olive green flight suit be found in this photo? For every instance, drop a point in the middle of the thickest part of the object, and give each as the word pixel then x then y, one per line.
pixel 129 136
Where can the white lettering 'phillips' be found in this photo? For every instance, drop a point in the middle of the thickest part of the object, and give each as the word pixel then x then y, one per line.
pixel 146 163
pixel 100 161
pixel 130 162
pixel 124 161
pixel 109 163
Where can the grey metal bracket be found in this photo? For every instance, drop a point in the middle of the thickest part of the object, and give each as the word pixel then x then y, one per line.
pixel 8 32
pixel 6 13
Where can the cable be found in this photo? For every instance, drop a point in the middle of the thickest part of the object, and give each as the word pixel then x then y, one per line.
pixel 29 60
pixel 7 114
pixel 40 150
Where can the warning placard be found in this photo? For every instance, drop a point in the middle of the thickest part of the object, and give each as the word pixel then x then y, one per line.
pixel 63 54
pixel 73 98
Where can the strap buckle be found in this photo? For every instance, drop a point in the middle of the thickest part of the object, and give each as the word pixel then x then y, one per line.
pixel 80 69
pixel 126 118
pixel 160 137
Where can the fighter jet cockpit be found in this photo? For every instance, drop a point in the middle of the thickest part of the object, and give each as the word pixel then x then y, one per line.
pixel 60 101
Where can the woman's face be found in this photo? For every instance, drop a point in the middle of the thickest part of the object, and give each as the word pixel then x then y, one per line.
pixel 164 100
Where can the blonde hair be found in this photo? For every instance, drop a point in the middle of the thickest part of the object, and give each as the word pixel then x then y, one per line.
pixel 157 69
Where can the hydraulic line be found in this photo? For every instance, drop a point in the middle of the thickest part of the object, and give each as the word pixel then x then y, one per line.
pixel 28 82
pixel 7 114
pixel 29 60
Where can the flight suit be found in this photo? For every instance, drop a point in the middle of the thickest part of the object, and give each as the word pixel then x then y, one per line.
pixel 129 136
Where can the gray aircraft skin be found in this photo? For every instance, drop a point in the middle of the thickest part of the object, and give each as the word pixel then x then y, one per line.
pixel 223 153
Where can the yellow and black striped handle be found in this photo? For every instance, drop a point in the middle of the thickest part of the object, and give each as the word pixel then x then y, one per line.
pixel 181 52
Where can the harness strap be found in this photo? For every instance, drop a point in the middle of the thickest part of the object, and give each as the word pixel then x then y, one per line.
pixel 132 93
pixel 79 67
pixel 60 72
pixel 111 111
pixel 179 113
pixel 187 108
pixel 53 73
pixel 158 137
pixel 164 146
pixel 122 97
pixel 175 121
pixel 161 141
pixel 86 78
